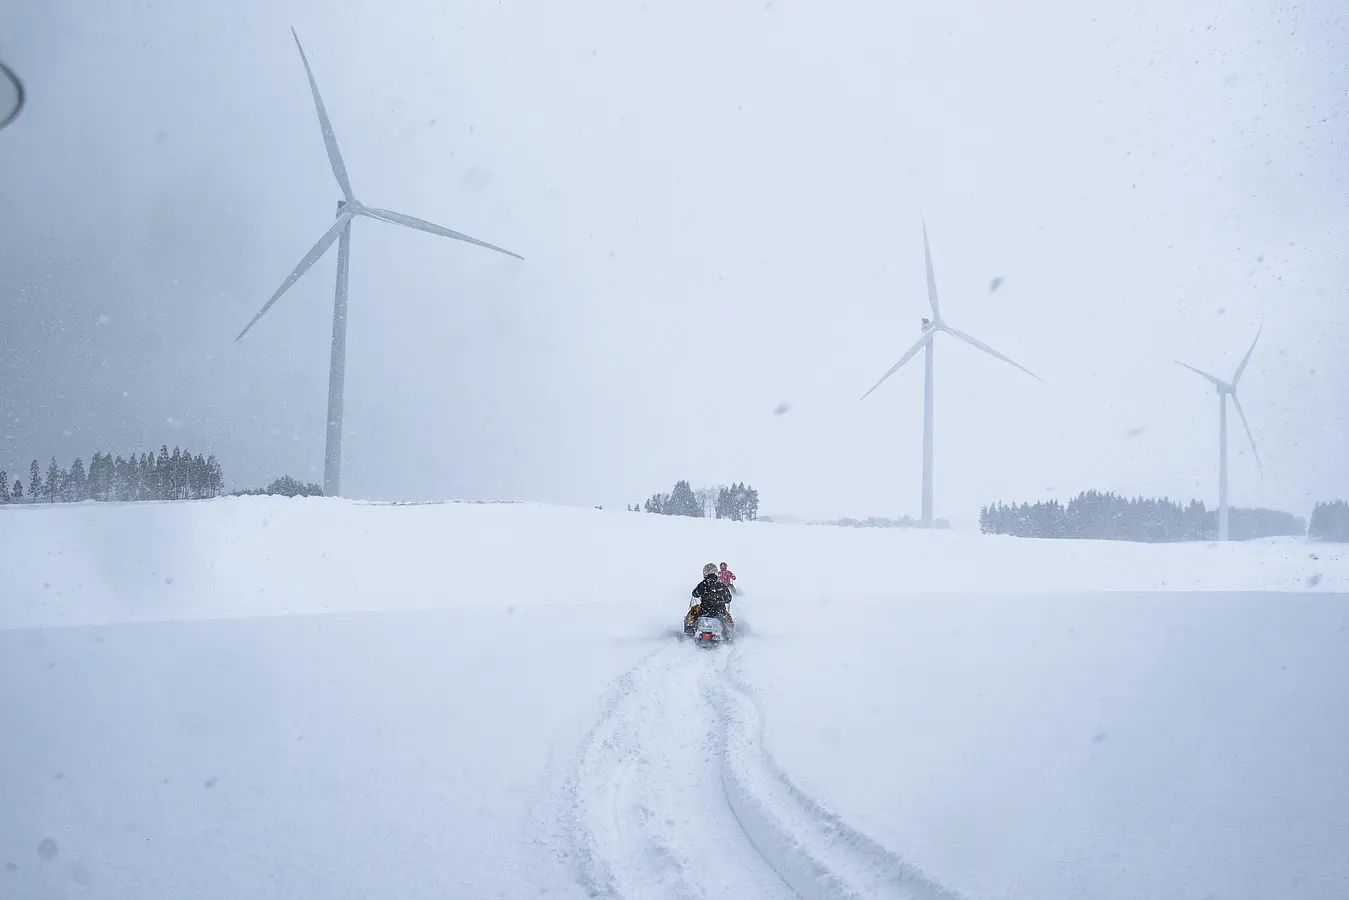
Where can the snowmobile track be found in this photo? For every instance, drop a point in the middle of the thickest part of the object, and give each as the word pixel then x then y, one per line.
pixel 673 795
pixel 648 816
pixel 812 849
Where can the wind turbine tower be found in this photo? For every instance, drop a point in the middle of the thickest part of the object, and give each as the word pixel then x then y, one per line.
pixel 1229 389
pixel 930 329
pixel 348 208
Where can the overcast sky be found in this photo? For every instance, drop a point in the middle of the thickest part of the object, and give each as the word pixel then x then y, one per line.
pixel 719 204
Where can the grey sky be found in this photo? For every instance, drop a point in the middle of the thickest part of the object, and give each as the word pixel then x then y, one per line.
pixel 719 206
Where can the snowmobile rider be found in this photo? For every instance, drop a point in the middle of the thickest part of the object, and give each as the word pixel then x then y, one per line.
pixel 713 599
pixel 726 577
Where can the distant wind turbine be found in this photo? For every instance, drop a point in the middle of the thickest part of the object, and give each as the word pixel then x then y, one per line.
pixel 348 208
pixel 930 329
pixel 1226 389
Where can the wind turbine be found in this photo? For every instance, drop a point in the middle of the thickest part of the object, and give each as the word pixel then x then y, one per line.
pixel 1226 389
pixel 930 329
pixel 348 208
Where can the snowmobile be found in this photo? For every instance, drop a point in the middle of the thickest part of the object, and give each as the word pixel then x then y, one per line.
pixel 709 631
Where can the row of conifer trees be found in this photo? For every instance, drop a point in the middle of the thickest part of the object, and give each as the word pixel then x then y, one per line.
pixel 1109 516
pixel 179 475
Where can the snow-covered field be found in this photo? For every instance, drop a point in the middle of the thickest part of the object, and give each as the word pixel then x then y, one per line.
pixel 272 698
pixel 95 563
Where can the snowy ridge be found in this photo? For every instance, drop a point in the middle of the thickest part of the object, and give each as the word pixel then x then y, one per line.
pixel 816 852
pixel 237 557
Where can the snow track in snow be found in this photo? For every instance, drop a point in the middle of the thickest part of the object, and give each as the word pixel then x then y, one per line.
pixel 650 818
pixel 812 849
pixel 672 795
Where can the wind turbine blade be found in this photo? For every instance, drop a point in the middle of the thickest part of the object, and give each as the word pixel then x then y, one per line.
pixel 385 215
pixel 1218 382
pixel 1247 358
pixel 12 98
pixel 931 278
pixel 969 339
pixel 922 342
pixel 309 259
pixel 329 138
pixel 1246 425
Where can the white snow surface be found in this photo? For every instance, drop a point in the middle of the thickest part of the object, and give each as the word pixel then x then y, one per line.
pixel 95 563
pixel 269 698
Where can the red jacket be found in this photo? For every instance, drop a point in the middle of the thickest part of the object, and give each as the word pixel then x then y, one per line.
pixel 726 576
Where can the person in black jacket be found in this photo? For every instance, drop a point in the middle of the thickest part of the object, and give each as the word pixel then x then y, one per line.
pixel 714 599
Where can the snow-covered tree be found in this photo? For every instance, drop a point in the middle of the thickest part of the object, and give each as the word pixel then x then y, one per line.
pixel 52 487
pixel 683 502
pixel 75 487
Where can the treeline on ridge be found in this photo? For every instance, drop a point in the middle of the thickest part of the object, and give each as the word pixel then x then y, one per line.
pixel 1330 522
pixel 1093 515
pixel 179 475
pixel 168 476
pixel 736 502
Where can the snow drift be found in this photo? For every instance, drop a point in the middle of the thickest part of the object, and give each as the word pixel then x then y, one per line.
pixel 96 563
